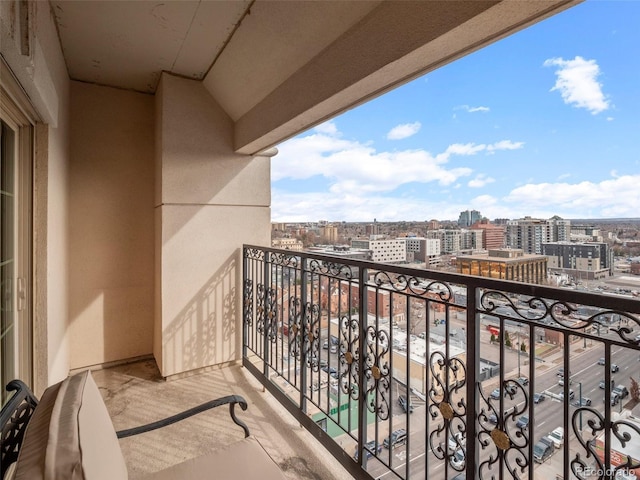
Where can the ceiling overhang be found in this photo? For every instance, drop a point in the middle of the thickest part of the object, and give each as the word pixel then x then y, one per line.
pixel 280 67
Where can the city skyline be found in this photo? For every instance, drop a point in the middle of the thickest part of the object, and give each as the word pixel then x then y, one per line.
pixel 541 123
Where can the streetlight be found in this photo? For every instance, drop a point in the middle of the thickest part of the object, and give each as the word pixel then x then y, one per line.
pixel 580 402
pixel 518 351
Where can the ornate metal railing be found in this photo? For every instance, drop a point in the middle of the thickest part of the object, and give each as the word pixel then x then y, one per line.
pixel 409 373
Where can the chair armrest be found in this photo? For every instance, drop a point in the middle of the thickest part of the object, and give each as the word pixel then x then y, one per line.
pixel 231 400
pixel 14 417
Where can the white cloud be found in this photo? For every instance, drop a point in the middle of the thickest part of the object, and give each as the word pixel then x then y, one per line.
pixel 480 181
pixel 469 109
pixel 504 145
pixel 563 176
pixel 404 130
pixel 610 119
pixel 329 128
pixel 577 83
pixel 618 197
pixel 615 197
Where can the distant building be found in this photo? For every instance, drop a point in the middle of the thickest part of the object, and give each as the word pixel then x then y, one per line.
pixel 433 225
pixel 373 229
pixel 329 233
pixel 468 218
pixel 590 261
pixel 505 264
pixel 585 233
pixel 385 251
pixel 425 250
pixel 529 233
pixel 287 244
pixel 342 251
pixel 493 236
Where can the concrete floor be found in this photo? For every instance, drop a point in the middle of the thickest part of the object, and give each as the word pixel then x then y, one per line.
pixel 136 394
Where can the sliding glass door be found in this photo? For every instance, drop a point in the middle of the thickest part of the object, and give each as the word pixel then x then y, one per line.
pixel 16 158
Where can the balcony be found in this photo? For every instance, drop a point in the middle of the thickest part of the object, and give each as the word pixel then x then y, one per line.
pixel 408 373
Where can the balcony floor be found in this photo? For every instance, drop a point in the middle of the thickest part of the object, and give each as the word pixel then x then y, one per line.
pixel 136 394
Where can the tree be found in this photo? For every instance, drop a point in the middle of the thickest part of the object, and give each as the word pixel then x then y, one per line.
pixel 507 340
pixel 635 390
pixel 523 347
pixel 493 338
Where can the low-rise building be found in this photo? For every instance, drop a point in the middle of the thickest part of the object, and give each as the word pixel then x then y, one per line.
pixel 505 264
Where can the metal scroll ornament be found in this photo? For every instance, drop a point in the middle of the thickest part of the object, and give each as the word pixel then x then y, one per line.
pixel 501 439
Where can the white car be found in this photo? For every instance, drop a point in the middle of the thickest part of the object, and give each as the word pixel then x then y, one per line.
pixel 557 436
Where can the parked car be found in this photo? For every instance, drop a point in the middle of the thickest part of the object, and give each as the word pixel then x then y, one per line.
pixel 405 404
pixel 396 439
pixel 524 381
pixel 495 394
pixel 542 451
pixel 523 421
pixel 538 397
pixel 370 447
pixel 557 435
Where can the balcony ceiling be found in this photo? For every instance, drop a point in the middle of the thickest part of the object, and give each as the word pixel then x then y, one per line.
pixel 278 67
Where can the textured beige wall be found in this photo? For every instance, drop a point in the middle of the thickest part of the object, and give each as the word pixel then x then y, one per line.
pixel 111 181
pixel 209 202
pixel 42 73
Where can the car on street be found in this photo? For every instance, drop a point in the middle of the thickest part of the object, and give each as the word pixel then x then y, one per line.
pixel 621 391
pixel 582 402
pixel 542 451
pixel 538 397
pixel 523 421
pixel 524 381
pixel 405 404
pixel 458 440
pixel 396 439
pixel 614 368
pixel 369 448
pixel 601 361
pixel 557 436
pixel 561 381
pixel 457 459
pixel 571 395
pixel 602 384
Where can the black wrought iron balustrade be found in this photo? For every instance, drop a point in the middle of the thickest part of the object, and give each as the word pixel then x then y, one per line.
pixel 409 373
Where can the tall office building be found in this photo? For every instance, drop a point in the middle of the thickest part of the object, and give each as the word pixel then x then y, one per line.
pixel 468 218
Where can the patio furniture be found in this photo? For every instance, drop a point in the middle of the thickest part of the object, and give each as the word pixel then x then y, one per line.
pixel 68 434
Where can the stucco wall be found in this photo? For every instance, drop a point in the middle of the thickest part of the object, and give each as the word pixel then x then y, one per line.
pixel 111 181
pixel 42 73
pixel 209 202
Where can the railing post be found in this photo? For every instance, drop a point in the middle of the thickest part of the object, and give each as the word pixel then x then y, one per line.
pixel 266 281
pixel 304 308
pixel 473 361
pixel 362 347
pixel 245 325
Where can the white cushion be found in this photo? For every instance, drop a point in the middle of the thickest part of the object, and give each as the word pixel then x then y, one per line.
pixel 70 436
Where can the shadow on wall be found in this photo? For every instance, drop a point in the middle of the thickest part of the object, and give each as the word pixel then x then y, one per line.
pixel 204 331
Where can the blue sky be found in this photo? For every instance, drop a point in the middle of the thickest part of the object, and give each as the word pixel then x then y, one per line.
pixel 545 122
